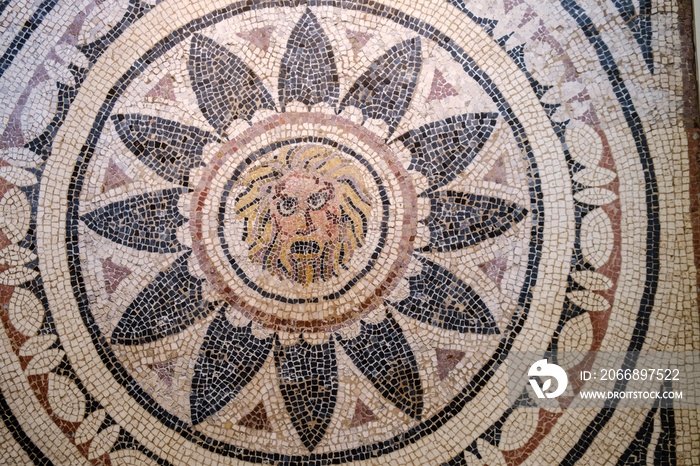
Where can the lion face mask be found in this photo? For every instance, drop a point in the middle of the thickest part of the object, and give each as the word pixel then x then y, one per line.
pixel 305 213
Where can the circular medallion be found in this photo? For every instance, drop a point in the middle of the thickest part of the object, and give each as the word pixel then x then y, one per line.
pixel 304 221
pixel 321 244
pixel 322 232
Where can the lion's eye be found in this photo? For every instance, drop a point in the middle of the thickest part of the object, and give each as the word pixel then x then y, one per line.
pixel 317 200
pixel 287 206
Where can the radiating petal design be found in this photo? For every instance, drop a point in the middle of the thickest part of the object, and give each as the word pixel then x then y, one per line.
pixel 385 90
pixel 441 299
pixel 225 86
pixel 458 220
pixel 170 303
pixel 308 380
pixel 171 149
pixel 308 72
pixel 147 222
pixel 441 150
pixel 228 359
pixel 383 355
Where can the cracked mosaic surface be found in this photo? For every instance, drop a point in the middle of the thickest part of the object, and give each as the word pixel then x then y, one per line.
pixel 317 232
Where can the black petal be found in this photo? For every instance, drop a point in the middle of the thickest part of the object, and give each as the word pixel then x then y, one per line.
pixel 170 303
pixel 225 86
pixel 441 150
pixel 385 90
pixel 228 359
pixel 382 353
pixel 147 222
pixel 308 72
pixel 439 298
pixel 169 148
pixel 458 220
pixel 308 378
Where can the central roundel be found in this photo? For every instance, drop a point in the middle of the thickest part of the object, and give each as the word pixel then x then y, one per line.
pixel 301 240
pixel 304 213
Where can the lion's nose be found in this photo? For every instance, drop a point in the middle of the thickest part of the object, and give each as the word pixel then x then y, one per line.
pixel 308 224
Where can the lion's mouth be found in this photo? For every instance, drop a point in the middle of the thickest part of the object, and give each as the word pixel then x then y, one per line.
pixel 305 248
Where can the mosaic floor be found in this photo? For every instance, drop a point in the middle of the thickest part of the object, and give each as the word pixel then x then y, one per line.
pixel 323 232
